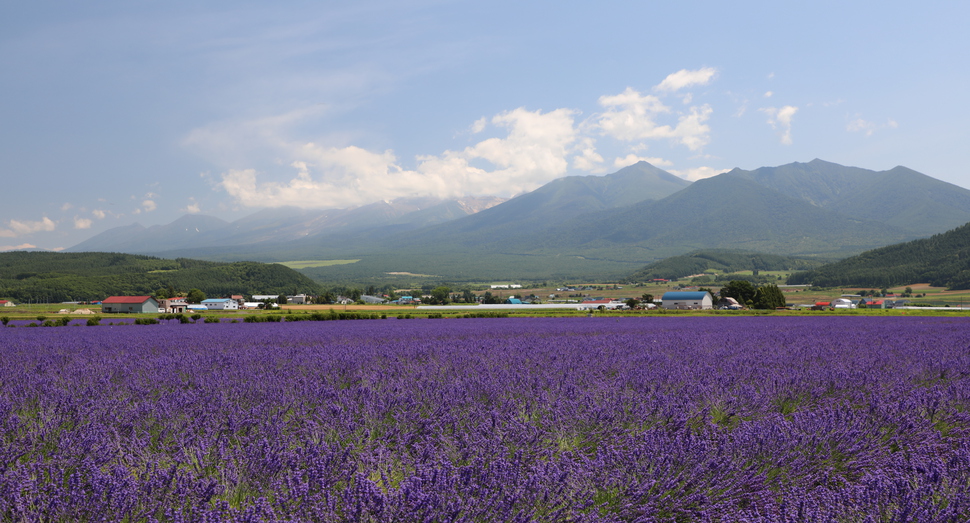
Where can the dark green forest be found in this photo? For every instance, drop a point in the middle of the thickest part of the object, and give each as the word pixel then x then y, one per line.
pixel 942 260
pixel 90 276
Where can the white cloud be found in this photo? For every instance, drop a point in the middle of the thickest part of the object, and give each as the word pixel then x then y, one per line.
pixel 17 247
pixel 684 78
pixel 148 205
pixel 632 116
pixel 99 214
pixel 67 207
pixel 769 94
pixel 82 223
pixel 780 118
pixel 589 160
pixel 533 153
pixel 864 126
pixel 631 159
pixel 20 228
pixel 697 173
pixel 479 125
pixel 192 207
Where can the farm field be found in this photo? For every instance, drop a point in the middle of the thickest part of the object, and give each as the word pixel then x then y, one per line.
pixel 602 419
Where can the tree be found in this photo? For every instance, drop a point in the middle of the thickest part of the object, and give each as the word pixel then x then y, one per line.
pixel 440 295
pixel 195 296
pixel 647 298
pixel 769 297
pixel 741 290
pixel 281 299
pixel 489 299
pixel 632 303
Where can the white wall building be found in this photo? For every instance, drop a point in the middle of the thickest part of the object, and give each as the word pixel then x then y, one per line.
pixel 221 304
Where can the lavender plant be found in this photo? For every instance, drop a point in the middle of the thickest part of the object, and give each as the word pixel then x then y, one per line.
pixel 568 419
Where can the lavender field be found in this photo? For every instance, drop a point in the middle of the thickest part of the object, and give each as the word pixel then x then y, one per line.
pixel 559 419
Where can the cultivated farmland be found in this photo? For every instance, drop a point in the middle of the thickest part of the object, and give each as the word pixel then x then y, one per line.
pixel 543 419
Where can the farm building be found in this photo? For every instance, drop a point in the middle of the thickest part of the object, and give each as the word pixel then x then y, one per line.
pixel 687 300
pixel 221 304
pixel 6 303
pixel 130 304
pixel 173 305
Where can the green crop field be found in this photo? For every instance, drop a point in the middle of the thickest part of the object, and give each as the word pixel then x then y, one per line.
pixel 308 264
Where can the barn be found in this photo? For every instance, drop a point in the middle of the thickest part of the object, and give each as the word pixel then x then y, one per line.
pixel 687 300
pixel 130 304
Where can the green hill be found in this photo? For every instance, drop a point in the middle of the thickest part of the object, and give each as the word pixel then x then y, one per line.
pixel 88 276
pixel 725 261
pixel 942 260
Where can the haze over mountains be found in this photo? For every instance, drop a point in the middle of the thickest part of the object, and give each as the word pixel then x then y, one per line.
pixel 582 225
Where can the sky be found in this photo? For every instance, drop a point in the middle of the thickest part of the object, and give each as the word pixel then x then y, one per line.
pixel 113 113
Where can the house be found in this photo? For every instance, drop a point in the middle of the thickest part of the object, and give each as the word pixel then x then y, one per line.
pixel 372 300
pixel 136 304
pixel 605 303
pixel 513 301
pixel 173 305
pixel 221 304
pixel 729 303
pixel 6 303
pixel 843 303
pixel 687 300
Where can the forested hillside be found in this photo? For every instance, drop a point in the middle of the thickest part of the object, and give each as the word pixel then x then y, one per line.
pixel 726 261
pixel 942 260
pixel 86 276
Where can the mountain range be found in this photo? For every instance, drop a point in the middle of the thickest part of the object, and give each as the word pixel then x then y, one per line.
pixel 579 226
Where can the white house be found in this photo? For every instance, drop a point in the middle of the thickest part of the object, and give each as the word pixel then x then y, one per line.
pixel 221 304
pixel 687 300
pixel 843 303
pixel 7 303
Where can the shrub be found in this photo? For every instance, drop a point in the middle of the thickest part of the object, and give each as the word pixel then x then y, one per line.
pixel 41 317
pixel 196 316
pixel 5 320
pixel 212 319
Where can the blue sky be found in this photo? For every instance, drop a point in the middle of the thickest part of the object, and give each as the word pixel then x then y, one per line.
pixel 122 112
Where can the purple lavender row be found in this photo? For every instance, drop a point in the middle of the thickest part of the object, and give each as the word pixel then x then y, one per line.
pixel 641 419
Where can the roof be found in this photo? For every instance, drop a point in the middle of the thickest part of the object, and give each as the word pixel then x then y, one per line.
pixel 697 295
pixel 126 299
pixel 216 300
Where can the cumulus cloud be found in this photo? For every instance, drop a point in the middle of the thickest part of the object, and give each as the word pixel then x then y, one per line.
pixel 17 247
pixel 507 154
pixel 588 159
pixel 860 125
pixel 631 159
pixel 99 214
pixel 19 228
pixel 697 173
pixel 633 116
pixel 82 223
pixel 148 205
pixel 780 119
pixel 193 207
pixel 684 78
pixel 534 152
